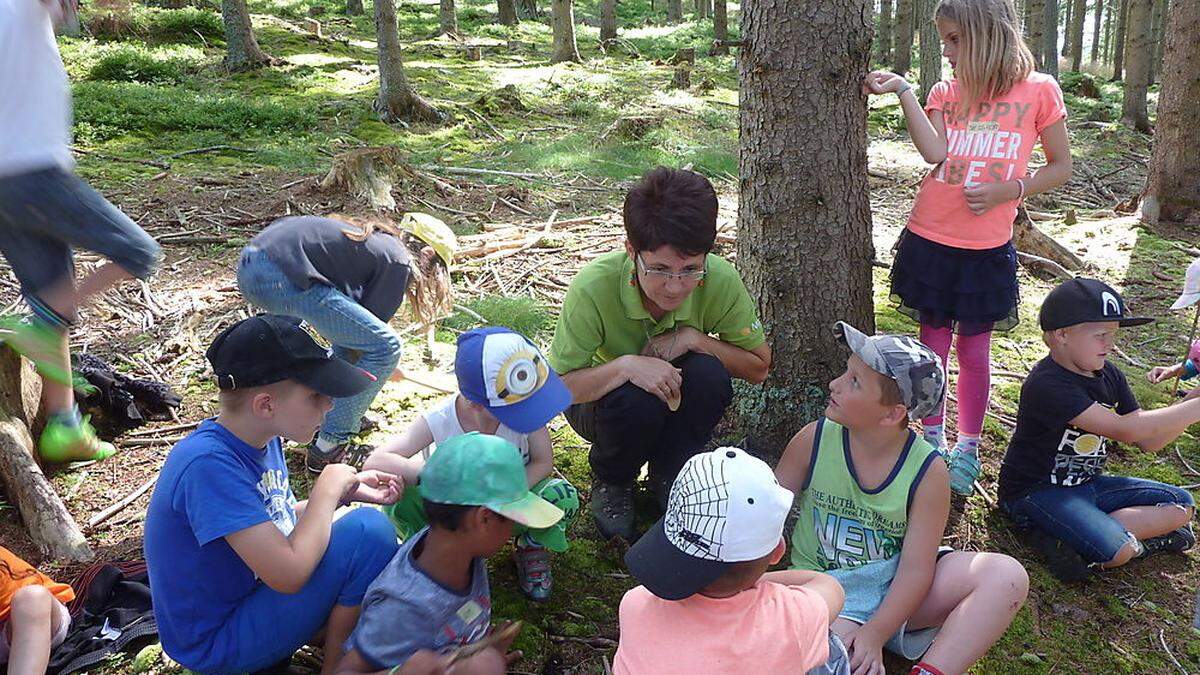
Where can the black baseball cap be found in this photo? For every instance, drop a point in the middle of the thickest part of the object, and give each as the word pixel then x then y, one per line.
pixel 270 348
pixel 1083 300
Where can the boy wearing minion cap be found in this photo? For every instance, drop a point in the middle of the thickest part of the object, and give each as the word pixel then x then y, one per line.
pixel 506 388
pixel 433 597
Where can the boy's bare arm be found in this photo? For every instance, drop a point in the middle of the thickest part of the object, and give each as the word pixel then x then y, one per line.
pixel 1147 429
pixel 822 584
pixel 541 457
pixel 792 470
pixel 407 444
pixel 918 558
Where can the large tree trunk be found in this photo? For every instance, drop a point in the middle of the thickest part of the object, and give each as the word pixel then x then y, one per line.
pixel 1120 41
pixel 1035 11
pixel 931 49
pixel 1097 22
pixel 563 17
pixel 1078 14
pixel 883 39
pixel 46 518
pixel 447 18
pixel 674 11
pixel 1050 38
pixel 242 50
pixel 506 11
pixel 1174 183
pixel 720 27
pixel 608 20
pixel 396 101
pixel 804 218
pixel 902 48
pixel 1138 54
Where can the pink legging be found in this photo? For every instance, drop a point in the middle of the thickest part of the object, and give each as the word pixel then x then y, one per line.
pixel 974 375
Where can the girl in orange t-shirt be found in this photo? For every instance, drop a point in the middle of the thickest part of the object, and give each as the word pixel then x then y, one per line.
pixel 955 269
pixel 33 616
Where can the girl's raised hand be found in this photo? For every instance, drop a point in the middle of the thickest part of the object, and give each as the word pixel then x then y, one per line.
pixel 882 82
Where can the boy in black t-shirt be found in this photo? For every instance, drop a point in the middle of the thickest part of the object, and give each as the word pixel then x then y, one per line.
pixel 1052 480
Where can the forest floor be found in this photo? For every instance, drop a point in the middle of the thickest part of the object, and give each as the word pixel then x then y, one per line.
pixel 204 159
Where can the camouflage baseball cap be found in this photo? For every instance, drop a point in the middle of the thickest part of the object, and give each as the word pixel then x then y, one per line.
pixel 914 367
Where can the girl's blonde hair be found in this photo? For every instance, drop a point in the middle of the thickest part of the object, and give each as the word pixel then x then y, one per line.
pixel 429 292
pixel 992 55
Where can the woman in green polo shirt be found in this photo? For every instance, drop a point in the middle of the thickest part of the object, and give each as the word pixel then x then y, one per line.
pixel 635 343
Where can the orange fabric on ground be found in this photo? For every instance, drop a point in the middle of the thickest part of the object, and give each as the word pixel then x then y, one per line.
pixel 16 574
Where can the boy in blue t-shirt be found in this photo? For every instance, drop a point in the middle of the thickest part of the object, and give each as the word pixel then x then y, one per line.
pixel 242 574
pixel 433 598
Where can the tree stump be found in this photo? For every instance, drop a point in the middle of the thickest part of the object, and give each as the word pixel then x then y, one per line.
pixel 682 79
pixel 46 518
pixel 366 173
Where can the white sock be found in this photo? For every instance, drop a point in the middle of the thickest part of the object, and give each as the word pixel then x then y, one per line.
pixel 325 446
pixel 967 444
pixel 935 434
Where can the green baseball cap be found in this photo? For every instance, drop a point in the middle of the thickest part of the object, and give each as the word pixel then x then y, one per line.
pixel 482 470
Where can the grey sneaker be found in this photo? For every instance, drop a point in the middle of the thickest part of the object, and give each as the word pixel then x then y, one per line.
pixel 612 507
pixel 344 453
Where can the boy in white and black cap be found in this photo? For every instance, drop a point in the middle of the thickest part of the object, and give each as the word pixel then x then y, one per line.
pixel 874 498
pixel 707 603
pixel 1073 402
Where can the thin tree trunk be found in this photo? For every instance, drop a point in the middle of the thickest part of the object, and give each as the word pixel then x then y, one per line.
pixel 1068 5
pixel 608 20
pixel 1159 19
pixel 396 101
pixel 1036 11
pixel 674 11
pixel 1078 14
pixel 506 11
pixel 1050 38
pixel 354 7
pixel 1106 40
pixel 902 49
pixel 527 9
pixel 1139 52
pixel 883 39
pixel 720 26
pixel 447 18
pixel 804 218
pixel 563 17
pixel 931 49
pixel 703 10
pixel 241 48
pixel 1120 41
pixel 1097 22
pixel 1173 194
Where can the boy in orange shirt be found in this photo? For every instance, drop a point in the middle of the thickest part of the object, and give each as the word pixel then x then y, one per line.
pixel 33 615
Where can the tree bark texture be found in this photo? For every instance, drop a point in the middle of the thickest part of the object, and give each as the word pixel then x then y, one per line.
pixel 241 49
pixel 902 49
pixel 1158 19
pixel 354 7
pixel 1106 44
pixel 804 219
pixel 883 39
pixel 703 9
pixel 1138 54
pixel 396 101
pixel 720 26
pixel 1078 14
pixel 1050 38
pixel 527 9
pixel 563 17
pixel 447 18
pixel 1120 41
pixel 506 12
pixel 1068 5
pixel 931 48
pixel 608 20
pixel 1035 12
pixel 674 11
pixel 1174 182
pixel 46 518
pixel 1097 22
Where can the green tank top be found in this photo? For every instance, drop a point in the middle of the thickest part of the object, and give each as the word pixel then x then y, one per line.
pixel 840 524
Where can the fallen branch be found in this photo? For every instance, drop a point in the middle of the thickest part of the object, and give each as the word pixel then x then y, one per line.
pixel 130 160
pixel 597 642
pixel 211 148
pixel 471 171
pixel 1037 262
pixel 163 430
pixel 1162 640
pixel 125 501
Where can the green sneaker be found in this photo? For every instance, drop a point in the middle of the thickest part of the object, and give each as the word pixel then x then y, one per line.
pixel 39 344
pixel 64 443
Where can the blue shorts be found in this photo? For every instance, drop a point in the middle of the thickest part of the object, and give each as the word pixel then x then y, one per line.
pixel 1078 515
pixel 44 214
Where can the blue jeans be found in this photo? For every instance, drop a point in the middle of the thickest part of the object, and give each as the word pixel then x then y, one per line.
pixel 1078 515
pixel 357 335
pixel 44 213
pixel 270 626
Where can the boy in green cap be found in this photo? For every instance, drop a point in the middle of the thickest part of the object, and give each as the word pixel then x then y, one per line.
pixel 433 597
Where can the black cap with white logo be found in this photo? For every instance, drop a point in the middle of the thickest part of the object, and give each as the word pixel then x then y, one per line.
pixel 1082 300
pixel 270 348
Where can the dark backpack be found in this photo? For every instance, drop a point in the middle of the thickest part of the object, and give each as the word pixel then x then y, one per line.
pixel 111 611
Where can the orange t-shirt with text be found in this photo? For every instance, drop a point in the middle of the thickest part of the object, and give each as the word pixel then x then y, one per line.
pixel 16 574
pixel 992 144
pixel 768 628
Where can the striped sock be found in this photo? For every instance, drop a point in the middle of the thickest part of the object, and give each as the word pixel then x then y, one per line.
pixel 967 444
